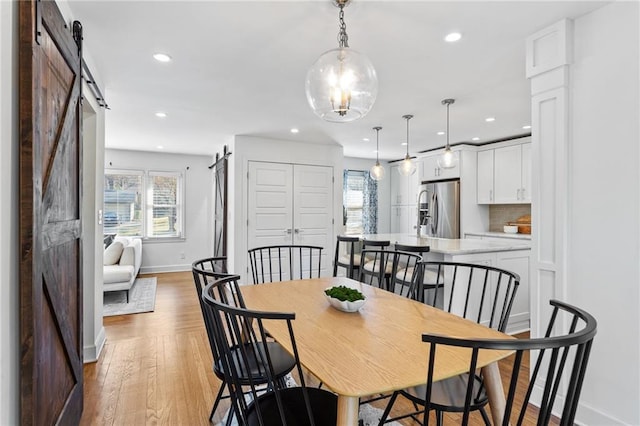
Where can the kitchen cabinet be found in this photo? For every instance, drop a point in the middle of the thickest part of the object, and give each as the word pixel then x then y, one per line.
pixel 504 175
pixel 518 262
pixel 404 196
pixel 432 171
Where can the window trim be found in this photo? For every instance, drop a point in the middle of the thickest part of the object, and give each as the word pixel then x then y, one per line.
pixel 146 175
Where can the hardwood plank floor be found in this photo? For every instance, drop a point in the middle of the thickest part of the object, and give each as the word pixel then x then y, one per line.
pixel 155 367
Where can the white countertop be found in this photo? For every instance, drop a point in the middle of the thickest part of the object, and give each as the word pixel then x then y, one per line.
pixel 501 235
pixel 449 246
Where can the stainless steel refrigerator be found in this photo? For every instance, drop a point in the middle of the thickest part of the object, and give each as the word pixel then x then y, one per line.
pixel 439 209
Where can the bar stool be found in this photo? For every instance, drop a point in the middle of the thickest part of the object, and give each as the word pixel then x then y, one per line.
pixel 351 260
pixel 433 279
pixel 372 263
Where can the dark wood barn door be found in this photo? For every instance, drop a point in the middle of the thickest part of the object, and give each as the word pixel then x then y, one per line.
pixel 50 211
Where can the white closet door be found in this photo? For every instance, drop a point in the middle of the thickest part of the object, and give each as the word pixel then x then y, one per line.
pixel 313 211
pixel 270 202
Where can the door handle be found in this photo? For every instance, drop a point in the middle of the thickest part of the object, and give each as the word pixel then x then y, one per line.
pixel 297 231
pixel 287 231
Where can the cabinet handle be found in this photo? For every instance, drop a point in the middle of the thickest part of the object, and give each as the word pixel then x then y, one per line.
pixel 491 195
pixel 518 194
pixel 522 193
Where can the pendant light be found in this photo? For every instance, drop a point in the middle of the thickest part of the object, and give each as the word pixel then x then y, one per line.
pixel 377 171
pixel 407 167
pixel 449 159
pixel 342 84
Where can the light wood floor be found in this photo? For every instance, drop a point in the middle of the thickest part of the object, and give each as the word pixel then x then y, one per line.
pixel 155 367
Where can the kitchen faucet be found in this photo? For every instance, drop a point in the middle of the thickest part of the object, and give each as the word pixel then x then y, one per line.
pixel 418 227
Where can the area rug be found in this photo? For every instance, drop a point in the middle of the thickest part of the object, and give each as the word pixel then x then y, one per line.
pixel 142 298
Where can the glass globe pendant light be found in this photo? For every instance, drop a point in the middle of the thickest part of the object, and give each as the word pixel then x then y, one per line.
pixel 448 160
pixel 342 84
pixel 377 171
pixel 407 167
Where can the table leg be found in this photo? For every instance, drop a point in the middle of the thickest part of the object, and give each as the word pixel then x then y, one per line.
pixel 495 392
pixel 348 407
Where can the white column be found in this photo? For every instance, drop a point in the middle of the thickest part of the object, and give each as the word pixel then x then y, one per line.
pixel 548 58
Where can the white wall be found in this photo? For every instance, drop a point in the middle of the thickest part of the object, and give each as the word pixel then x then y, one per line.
pixel 604 207
pixel 165 256
pixel 9 298
pixel 384 189
pixel 248 148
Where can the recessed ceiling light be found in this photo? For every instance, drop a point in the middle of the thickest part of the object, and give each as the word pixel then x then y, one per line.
pixel 453 37
pixel 162 57
pixel 161 114
pixel 160 147
pixel 440 133
pixel 403 144
pixel 490 119
pixel 475 139
pixel 294 130
pixel 365 139
pixel 526 127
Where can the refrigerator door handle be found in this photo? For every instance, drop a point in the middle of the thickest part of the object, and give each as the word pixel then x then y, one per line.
pixel 435 214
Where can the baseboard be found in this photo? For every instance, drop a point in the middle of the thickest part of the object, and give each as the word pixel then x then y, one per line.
pixel 168 268
pixel 92 353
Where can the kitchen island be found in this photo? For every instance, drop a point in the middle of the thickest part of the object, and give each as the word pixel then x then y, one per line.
pixel 510 254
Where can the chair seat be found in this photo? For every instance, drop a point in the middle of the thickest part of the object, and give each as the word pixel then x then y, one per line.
pixel 345 260
pixel 324 406
pixel 282 361
pixel 430 277
pixel 449 394
pixel 369 266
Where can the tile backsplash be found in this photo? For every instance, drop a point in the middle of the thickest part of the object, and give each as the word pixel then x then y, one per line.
pixel 501 214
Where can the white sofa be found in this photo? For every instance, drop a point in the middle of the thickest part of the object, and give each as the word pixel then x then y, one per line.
pixel 120 271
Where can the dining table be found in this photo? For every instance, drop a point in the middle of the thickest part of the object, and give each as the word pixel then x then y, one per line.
pixel 377 349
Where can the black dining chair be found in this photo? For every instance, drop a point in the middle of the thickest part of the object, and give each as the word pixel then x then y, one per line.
pixel 349 258
pixel 285 262
pixel 370 264
pixel 479 293
pixel 240 336
pixel 561 359
pixel 228 289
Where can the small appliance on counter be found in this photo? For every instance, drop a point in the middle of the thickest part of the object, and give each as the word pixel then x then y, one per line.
pixel 439 209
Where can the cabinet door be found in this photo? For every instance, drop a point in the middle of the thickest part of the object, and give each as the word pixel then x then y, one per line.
pixel 485 177
pixel 518 262
pixel 430 168
pixel 399 219
pixel 507 171
pixel 525 193
pixel 399 187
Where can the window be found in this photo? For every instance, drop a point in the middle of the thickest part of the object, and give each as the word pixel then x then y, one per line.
pixel 143 203
pixel 360 203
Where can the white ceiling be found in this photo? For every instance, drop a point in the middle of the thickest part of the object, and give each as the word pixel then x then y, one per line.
pixel 239 69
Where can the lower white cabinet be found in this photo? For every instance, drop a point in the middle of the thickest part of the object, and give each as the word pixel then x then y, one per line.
pixel 518 262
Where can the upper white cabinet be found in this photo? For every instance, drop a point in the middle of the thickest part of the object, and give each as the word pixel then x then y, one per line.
pixel 504 175
pixel 485 177
pixel 432 171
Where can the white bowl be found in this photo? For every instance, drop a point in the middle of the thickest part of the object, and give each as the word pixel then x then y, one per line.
pixel 511 229
pixel 343 305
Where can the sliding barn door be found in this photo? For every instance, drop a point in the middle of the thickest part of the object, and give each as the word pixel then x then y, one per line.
pixel 50 228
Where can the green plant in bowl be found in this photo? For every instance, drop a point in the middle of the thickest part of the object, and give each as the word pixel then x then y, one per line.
pixel 343 293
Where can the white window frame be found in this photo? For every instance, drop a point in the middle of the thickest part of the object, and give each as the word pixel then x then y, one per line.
pixel 146 199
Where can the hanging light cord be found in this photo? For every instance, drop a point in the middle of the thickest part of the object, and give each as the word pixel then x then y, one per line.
pixel 343 38
pixel 448 104
pixel 407 117
pixel 377 129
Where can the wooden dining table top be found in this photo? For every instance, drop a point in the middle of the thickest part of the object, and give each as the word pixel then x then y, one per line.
pixel 374 350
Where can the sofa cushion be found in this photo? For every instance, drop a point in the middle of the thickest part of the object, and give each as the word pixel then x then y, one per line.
pixel 117 273
pixel 112 253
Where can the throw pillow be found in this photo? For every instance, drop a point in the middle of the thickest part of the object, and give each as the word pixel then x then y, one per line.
pixel 112 253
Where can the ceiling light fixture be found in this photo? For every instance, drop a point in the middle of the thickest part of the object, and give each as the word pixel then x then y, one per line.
pixel 448 160
pixel 294 130
pixel 407 167
pixel 453 37
pixel 475 138
pixel 162 57
pixel 342 84
pixel 490 119
pixel 526 127
pixel 161 114
pixel 377 171
pixel 440 133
